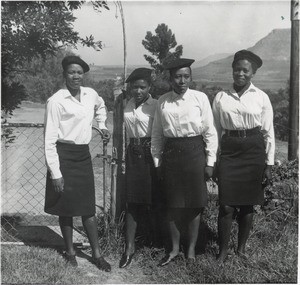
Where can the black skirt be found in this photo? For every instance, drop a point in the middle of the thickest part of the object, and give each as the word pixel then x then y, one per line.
pixel 78 197
pixel 140 175
pixel 240 170
pixel 183 166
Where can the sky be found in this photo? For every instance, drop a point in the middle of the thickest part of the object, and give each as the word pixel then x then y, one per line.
pixel 203 28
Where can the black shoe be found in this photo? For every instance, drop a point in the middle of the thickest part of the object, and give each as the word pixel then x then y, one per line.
pixel 125 260
pixel 71 259
pixel 102 264
pixel 167 259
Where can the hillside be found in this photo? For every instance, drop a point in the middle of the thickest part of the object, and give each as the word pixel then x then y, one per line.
pixel 274 49
pixel 209 59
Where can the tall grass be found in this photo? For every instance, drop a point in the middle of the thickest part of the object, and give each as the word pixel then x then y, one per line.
pixel 272 251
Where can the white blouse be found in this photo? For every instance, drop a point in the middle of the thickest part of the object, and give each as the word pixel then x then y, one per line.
pixel 70 121
pixel 252 109
pixel 138 121
pixel 184 115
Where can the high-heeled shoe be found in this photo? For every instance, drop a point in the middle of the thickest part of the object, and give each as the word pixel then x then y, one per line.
pixel 125 260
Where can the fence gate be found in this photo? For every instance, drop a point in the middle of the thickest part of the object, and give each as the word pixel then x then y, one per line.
pixel 24 179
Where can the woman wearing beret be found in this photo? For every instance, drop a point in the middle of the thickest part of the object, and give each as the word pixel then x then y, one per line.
pixel 244 121
pixel 140 173
pixel 184 144
pixel 70 189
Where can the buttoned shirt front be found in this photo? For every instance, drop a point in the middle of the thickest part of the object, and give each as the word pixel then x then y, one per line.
pixel 252 109
pixel 70 121
pixel 184 115
pixel 138 121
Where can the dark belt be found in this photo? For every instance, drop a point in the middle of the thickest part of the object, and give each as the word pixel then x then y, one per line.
pixel 242 133
pixel 140 141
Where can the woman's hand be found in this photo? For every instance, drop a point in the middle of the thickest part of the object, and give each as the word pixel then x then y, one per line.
pixel 105 135
pixel 208 172
pixel 267 176
pixel 58 184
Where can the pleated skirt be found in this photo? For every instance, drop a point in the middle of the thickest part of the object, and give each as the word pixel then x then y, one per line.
pixel 183 166
pixel 240 170
pixel 78 197
pixel 140 175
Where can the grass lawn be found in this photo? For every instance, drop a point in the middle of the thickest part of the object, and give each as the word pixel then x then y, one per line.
pixel 272 250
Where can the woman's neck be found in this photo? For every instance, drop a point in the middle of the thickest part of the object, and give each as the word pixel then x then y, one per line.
pixel 241 89
pixel 137 104
pixel 75 93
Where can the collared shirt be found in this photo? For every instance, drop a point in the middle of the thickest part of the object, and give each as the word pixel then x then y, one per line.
pixel 184 115
pixel 138 121
pixel 252 109
pixel 70 121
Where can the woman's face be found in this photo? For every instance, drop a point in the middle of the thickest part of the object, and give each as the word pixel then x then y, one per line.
pixel 139 90
pixel 74 75
pixel 242 72
pixel 181 79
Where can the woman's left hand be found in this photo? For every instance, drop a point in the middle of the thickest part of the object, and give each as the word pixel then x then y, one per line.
pixel 267 176
pixel 209 170
pixel 105 135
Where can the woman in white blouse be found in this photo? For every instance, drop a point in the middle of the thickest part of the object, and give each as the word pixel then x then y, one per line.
pixel 70 189
pixel 184 144
pixel 140 176
pixel 244 121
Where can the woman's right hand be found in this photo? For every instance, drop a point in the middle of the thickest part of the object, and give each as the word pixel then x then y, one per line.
pixel 58 184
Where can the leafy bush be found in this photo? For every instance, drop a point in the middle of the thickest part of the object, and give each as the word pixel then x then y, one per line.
pixel 285 171
pixel 104 88
pixel 281 198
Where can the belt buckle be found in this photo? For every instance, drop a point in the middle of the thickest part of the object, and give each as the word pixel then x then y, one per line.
pixel 244 134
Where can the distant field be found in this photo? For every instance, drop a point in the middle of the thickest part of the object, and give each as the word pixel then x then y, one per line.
pixel 99 73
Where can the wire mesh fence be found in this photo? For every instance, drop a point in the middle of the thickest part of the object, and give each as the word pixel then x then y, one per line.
pixel 24 178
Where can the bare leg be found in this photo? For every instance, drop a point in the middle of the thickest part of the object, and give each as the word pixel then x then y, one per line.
pixel 66 226
pixel 175 238
pixel 193 229
pixel 90 226
pixel 224 229
pixel 131 225
pixel 245 225
pixel 173 218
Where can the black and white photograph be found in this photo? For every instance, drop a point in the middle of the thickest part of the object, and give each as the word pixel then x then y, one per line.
pixel 149 142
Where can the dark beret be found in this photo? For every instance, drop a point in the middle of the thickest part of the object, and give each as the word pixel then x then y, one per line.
pixel 246 54
pixel 179 63
pixel 72 59
pixel 140 73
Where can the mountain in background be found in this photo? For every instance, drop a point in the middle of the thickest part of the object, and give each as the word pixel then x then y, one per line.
pixel 209 59
pixel 215 70
pixel 274 49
